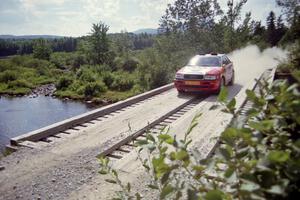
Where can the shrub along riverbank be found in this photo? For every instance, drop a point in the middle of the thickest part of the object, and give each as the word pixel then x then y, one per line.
pixel 125 77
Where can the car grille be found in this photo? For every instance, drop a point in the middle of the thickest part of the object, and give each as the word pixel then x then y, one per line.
pixel 193 76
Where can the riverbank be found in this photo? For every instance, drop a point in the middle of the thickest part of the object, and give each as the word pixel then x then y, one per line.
pixel 99 84
pixel 49 90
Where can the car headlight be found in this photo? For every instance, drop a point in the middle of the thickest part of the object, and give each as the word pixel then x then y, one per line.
pixel 210 77
pixel 179 76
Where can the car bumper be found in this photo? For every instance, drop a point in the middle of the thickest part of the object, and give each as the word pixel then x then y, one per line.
pixel 199 85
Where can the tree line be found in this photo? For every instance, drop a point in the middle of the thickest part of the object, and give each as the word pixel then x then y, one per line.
pixel 10 47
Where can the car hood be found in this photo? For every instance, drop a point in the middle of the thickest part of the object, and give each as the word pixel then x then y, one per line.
pixel 200 70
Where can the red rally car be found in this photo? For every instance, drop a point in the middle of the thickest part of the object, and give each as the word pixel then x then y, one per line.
pixel 207 72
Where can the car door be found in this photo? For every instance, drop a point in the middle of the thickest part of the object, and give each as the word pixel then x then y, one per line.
pixel 229 69
pixel 225 65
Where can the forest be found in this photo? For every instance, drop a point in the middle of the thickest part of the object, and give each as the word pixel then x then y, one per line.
pixel 115 66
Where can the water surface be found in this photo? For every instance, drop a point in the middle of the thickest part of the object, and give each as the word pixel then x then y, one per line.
pixel 19 115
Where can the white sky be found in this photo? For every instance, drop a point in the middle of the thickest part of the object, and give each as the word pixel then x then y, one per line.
pixel 75 17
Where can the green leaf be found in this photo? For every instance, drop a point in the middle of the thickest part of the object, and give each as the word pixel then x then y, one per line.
pixel 231 105
pixel 151 147
pixel 198 168
pixel 128 187
pixel 141 142
pixel 264 125
pixel 251 95
pixel 242 152
pixel 153 187
pixel 103 172
pixel 228 173
pixel 114 172
pixel 213 195
pixel 226 151
pixel 164 137
pixel 160 166
pixel 249 187
pixel 150 137
pixel 165 177
pixel 214 107
pixel 168 189
pixel 229 136
pixel 223 95
pixel 278 156
pixel 182 155
pixel 138 196
pixel 276 189
pixel 110 181
pixel 252 112
pixel 146 166
pixel 191 127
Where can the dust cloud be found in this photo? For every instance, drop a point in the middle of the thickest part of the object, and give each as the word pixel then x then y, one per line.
pixel 250 62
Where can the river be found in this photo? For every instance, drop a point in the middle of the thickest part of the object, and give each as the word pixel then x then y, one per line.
pixel 19 115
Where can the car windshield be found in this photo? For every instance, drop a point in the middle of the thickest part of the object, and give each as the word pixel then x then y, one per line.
pixel 207 61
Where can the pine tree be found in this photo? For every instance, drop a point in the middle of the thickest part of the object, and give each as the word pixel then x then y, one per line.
pixel 271 29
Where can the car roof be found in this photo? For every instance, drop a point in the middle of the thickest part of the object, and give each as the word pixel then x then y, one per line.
pixel 212 54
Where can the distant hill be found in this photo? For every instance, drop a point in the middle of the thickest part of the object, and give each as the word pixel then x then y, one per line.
pixel 29 37
pixel 146 30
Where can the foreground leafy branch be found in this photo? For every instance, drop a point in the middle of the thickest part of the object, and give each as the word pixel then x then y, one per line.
pixel 257 161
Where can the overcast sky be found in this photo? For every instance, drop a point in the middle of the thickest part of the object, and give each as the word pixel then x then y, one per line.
pixel 74 17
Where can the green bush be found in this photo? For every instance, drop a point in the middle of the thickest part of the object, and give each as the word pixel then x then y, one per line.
pixel 7 76
pixel 118 62
pixel 58 60
pixel 5 65
pixel 41 71
pixel 30 62
pixel 64 82
pixel 94 89
pixel 78 60
pixel 159 76
pixel 130 64
pixel 122 82
pixel 63 60
pixel 17 60
pixel 108 78
pixel 75 85
pixel 86 74
pixel 3 87
pixel 99 69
